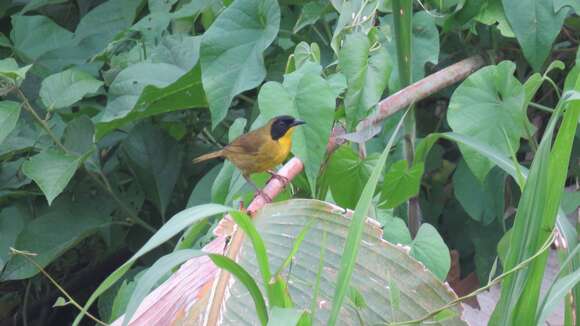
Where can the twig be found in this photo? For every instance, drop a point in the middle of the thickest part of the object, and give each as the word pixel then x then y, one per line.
pixel 38 119
pixel 27 256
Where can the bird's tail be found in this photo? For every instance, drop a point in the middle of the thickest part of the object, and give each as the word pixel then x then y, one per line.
pixel 208 156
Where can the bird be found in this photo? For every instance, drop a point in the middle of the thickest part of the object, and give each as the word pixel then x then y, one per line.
pixel 259 150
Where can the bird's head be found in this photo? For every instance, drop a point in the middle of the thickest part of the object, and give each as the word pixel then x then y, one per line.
pixel 283 125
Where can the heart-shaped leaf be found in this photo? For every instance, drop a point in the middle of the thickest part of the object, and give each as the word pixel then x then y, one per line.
pixel 231 51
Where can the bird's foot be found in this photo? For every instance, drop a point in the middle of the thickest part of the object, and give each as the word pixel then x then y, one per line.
pixel 278 177
pixel 260 192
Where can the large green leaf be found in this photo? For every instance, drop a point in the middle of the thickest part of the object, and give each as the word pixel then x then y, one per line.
pixel 148 89
pixel 52 170
pixel 306 96
pixel 535 25
pixel 428 247
pixel 35 4
pixel 9 69
pixel 484 202
pixel 347 175
pixel 9 114
pixel 488 106
pixel 367 75
pixel 67 87
pixel 401 183
pixel 100 25
pixel 35 35
pixel 155 158
pixel 51 234
pixel 12 222
pixel 379 264
pixel 559 4
pixel 492 13
pixel 231 51
pixel 78 135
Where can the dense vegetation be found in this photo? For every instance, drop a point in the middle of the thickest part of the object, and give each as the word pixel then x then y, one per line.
pixel 105 104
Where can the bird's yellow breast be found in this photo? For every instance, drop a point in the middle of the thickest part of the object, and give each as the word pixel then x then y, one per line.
pixel 268 155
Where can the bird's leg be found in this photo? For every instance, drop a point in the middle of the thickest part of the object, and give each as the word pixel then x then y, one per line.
pixel 278 177
pixel 259 191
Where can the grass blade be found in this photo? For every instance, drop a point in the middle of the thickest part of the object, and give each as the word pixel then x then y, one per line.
pixel 174 226
pixel 246 279
pixel 352 244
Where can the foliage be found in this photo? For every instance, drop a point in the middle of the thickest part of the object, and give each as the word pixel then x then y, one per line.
pixel 104 104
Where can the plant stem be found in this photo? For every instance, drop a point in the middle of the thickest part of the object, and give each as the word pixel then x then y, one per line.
pixel 27 255
pixel 403 21
pixel 541 107
pixel 39 120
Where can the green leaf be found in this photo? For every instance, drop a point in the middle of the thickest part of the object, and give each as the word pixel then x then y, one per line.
pixel 152 276
pixel 35 4
pixel 9 114
pixel 559 4
pixel 200 194
pixel 245 223
pixel 367 75
pixel 65 88
pixel 246 279
pixel 430 249
pixel 349 11
pixel 308 97
pixel 483 202
pixel 355 232
pixel 285 316
pixel 148 89
pixel 485 242
pixel 556 297
pixel 51 234
pixel 9 69
pixel 155 159
pixel 100 25
pixel 173 227
pixel 536 26
pixel 493 13
pixel 487 106
pixel 401 183
pixel 570 201
pixel 396 231
pixel 52 171
pixel 231 51
pixel 78 135
pixel 310 14
pixel 47 36
pixel 12 222
pixel 536 218
pixel 347 175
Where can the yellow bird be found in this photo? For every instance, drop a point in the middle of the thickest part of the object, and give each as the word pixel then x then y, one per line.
pixel 260 150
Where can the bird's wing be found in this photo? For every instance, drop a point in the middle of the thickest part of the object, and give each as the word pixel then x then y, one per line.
pixel 248 144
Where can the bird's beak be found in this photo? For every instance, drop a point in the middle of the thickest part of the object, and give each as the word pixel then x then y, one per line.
pixel 297 123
